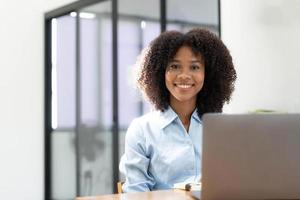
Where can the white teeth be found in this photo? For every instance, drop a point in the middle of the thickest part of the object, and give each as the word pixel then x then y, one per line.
pixel 184 86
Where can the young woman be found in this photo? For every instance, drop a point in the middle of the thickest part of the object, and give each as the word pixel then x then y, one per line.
pixel 183 76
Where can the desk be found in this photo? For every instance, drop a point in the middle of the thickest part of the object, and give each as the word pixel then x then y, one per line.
pixel 155 195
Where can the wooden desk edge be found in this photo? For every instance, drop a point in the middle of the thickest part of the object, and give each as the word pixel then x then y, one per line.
pixel 135 195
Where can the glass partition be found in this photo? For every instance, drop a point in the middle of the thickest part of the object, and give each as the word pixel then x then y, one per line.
pixel 63 72
pixel 63 104
pixel 63 165
pixel 95 123
pixel 188 14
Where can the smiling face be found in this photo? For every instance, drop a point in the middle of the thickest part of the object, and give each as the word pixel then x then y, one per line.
pixel 184 76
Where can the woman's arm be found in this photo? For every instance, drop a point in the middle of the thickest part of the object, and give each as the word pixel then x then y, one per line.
pixel 135 162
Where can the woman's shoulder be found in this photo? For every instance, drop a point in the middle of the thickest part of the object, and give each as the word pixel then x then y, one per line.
pixel 144 125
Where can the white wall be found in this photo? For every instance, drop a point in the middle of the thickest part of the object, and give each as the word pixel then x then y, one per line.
pixel 21 98
pixel 263 36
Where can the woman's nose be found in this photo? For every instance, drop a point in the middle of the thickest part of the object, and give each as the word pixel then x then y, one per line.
pixel 184 73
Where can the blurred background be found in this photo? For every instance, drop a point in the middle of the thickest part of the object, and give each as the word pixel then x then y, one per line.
pixel 67 88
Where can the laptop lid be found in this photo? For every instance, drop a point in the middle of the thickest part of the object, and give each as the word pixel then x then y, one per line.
pixel 251 156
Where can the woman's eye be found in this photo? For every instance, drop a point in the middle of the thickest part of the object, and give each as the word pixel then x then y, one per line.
pixel 195 67
pixel 173 67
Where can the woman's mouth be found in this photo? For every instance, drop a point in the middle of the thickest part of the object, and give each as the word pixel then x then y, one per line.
pixel 184 86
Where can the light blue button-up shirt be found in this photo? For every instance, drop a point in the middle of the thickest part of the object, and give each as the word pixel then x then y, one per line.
pixel 159 152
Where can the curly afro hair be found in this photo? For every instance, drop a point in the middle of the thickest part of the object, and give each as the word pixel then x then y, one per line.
pixel 219 78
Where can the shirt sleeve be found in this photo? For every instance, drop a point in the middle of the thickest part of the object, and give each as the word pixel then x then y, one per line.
pixel 135 162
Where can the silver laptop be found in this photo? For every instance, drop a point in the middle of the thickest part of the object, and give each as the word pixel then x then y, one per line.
pixel 251 156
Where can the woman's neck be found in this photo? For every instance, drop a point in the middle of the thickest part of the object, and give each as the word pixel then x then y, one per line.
pixel 184 110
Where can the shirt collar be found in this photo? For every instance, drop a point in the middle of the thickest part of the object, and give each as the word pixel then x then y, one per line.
pixel 196 116
pixel 169 115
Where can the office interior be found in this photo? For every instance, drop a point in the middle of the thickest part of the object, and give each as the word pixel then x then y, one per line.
pixel 262 36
